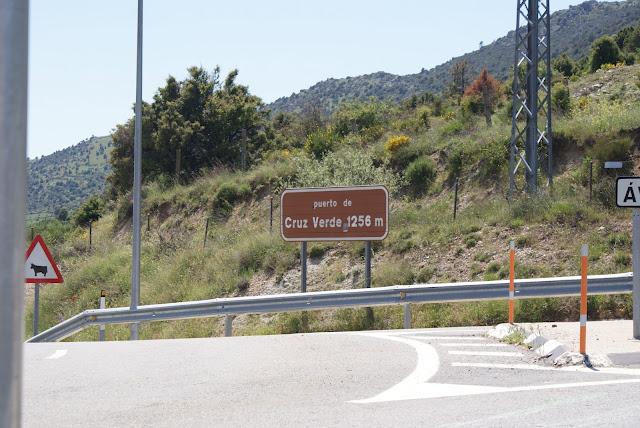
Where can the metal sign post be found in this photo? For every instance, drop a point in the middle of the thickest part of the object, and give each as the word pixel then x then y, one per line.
pixel 137 180
pixel 628 196
pixel 303 267
pixel 636 273
pixel 36 308
pixel 367 264
pixel 14 48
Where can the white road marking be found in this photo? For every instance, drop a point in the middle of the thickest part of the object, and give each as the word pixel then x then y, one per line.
pixel 426 367
pixel 445 337
pixel 444 330
pixel 582 369
pixel 58 354
pixel 487 353
pixel 437 390
pixel 476 345
pixel 416 385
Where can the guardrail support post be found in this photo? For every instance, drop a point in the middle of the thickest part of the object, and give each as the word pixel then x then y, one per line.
pixel 102 305
pixel 636 273
pixel 512 280
pixel 303 267
pixel 406 312
pixel 583 300
pixel 228 325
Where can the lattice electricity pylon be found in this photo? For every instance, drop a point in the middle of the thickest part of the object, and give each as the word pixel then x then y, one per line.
pixel 531 95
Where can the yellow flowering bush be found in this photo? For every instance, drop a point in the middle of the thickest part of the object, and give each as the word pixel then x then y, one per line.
pixel 394 144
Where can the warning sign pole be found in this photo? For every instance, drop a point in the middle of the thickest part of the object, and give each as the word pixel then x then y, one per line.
pixel 36 308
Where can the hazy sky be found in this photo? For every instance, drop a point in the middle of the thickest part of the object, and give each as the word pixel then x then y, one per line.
pixel 82 52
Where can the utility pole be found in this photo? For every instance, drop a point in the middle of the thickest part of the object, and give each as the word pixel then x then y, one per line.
pixel 14 31
pixel 137 181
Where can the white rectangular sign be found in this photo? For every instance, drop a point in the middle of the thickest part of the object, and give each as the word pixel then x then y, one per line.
pixel 613 165
pixel 628 192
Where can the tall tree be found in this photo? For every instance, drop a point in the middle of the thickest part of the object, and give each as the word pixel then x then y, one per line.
pixel 460 78
pixel 487 88
pixel 605 50
pixel 193 124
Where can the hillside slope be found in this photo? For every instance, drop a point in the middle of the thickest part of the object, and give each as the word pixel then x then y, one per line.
pixel 572 31
pixel 425 244
pixel 67 177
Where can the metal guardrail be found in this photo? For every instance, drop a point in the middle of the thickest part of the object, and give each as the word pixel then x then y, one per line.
pixel 393 295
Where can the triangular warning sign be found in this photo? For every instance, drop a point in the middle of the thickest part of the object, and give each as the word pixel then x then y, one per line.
pixel 39 266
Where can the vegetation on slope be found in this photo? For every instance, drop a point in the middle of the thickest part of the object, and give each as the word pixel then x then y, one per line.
pixel 58 183
pixel 418 150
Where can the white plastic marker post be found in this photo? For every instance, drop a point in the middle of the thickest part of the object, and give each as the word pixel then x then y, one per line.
pixel 102 305
pixel 512 279
pixel 583 300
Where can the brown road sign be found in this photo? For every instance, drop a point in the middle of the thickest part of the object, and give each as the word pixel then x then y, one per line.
pixel 358 213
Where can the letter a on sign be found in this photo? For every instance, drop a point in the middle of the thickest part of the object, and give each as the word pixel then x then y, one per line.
pixel 39 266
pixel 628 192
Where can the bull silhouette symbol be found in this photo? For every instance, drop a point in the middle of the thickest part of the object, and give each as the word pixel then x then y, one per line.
pixel 39 269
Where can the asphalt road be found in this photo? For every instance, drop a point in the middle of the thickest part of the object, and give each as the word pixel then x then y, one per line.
pixel 444 377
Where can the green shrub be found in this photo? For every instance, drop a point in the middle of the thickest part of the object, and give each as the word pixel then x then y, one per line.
pixel 493 156
pixel 522 241
pixel 561 99
pixel 482 257
pixel 320 142
pixel 423 118
pixel 565 213
pixel 228 194
pixel 471 241
pixel 612 150
pixel 361 117
pixel 455 162
pixel 565 65
pixel 619 240
pixel 317 251
pixel 493 267
pixel 343 168
pixel 604 51
pixel 91 210
pixel 621 259
pixel 420 174
pixel 452 128
pixel 425 274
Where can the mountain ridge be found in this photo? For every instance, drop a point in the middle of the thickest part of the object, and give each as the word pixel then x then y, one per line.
pixel 572 32
pixel 66 177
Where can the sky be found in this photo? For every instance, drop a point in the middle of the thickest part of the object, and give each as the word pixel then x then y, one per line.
pixel 82 53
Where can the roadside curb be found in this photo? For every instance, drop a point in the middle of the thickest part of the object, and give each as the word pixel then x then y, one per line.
pixel 549 350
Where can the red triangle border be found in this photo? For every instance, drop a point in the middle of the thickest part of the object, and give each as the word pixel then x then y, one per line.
pixel 38 240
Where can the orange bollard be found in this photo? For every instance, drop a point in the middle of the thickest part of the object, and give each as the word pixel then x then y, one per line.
pixel 583 301
pixel 512 280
